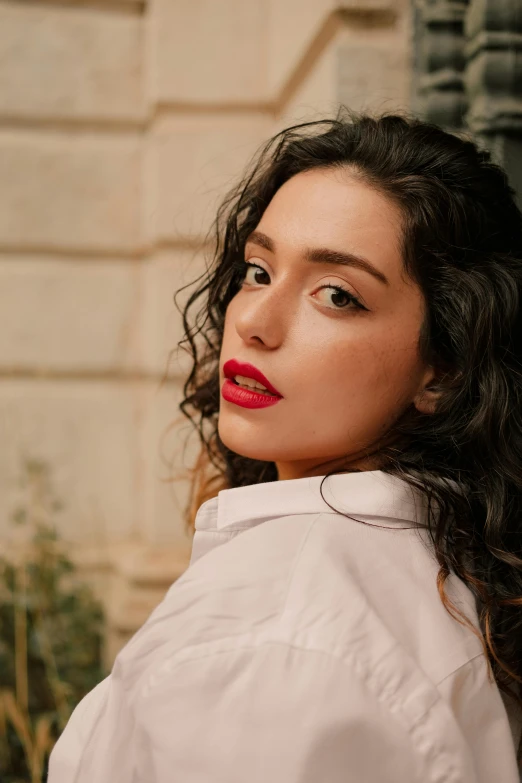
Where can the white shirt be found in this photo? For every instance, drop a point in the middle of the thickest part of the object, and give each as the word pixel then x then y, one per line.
pixel 299 646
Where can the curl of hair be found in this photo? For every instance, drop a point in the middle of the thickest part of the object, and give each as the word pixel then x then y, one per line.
pixel 462 245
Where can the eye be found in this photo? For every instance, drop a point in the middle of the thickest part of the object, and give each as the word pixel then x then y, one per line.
pixel 252 269
pixel 340 297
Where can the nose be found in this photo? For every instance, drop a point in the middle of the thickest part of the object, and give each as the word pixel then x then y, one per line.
pixel 263 315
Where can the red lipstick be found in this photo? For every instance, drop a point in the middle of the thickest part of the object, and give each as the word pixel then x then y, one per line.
pixel 247 398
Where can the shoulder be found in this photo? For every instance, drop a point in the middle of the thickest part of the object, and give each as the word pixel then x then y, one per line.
pixel 319 581
pixel 368 580
pixel 249 694
pixel 238 586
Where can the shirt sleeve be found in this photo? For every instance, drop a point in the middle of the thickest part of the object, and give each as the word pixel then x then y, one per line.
pixel 269 713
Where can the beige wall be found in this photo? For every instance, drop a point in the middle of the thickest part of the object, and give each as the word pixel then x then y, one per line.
pixel 121 122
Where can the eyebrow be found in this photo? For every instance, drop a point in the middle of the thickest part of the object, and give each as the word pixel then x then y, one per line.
pixel 322 255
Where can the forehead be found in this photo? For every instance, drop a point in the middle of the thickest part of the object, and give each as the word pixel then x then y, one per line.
pixel 334 209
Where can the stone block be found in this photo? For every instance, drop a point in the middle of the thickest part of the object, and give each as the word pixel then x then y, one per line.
pixel 292 28
pixel 295 30
pixel 144 576
pixel 190 163
pixel 68 63
pixel 316 97
pixel 202 51
pixel 373 68
pixel 170 445
pixel 58 191
pixel 365 69
pixel 170 441
pixel 89 435
pixel 163 276
pixel 75 316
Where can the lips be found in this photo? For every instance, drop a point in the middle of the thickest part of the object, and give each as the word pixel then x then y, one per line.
pixel 232 367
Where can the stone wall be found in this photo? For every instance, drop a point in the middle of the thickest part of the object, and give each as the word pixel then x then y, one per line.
pixel 121 123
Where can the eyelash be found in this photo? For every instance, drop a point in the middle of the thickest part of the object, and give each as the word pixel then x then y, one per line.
pixel 244 265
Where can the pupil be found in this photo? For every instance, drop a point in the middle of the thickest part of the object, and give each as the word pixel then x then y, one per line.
pixel 341 294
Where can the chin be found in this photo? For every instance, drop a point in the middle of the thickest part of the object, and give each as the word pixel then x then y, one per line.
pixel 246 444
pixel 238 446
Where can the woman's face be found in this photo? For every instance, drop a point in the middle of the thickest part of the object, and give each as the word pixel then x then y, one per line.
pixel 345 374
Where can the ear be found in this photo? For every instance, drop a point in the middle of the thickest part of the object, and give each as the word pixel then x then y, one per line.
pixel 429 394
pixel 426 401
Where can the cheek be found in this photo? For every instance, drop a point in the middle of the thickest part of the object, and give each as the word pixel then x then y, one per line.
pixel 373 374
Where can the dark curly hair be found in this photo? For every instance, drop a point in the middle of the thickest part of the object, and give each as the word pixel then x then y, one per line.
pixel 462 245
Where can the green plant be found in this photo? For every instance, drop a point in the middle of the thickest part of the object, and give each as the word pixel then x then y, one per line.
pixel 51 630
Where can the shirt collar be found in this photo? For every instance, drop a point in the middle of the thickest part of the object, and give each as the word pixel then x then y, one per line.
pixel 371 493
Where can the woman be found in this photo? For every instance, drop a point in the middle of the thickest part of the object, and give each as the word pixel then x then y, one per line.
pixel 352 607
